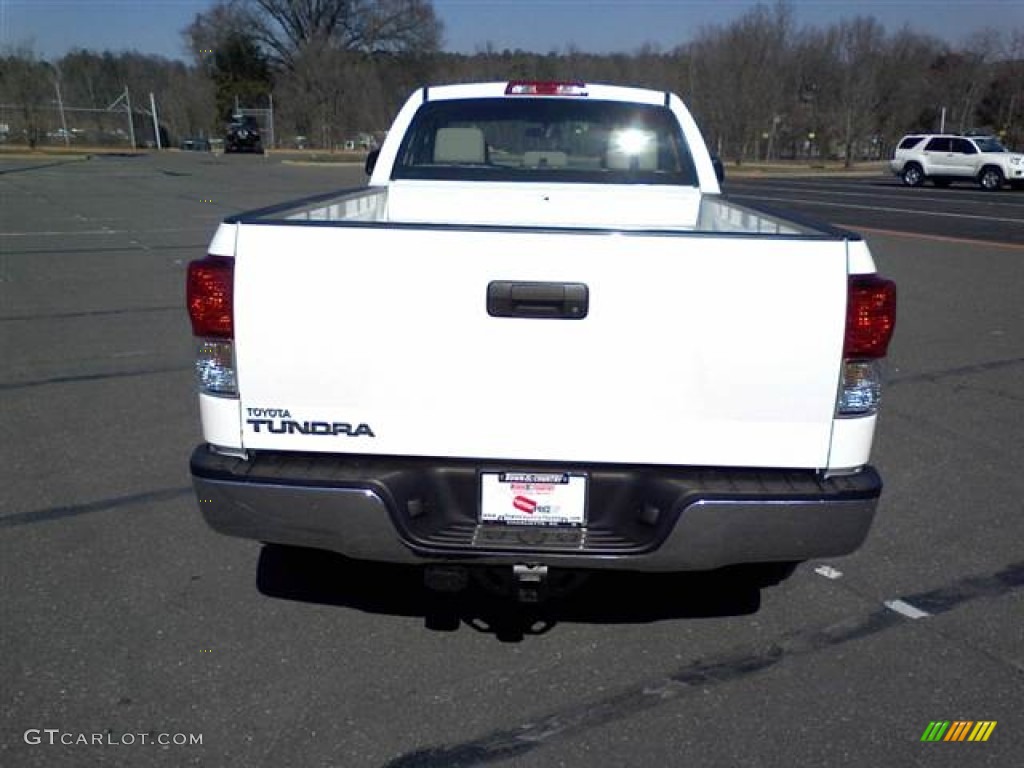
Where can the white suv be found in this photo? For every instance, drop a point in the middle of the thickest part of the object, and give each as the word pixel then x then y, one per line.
pixel 945 158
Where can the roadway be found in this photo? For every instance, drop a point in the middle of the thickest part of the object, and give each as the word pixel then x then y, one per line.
pixel 124 616
pixel 883 203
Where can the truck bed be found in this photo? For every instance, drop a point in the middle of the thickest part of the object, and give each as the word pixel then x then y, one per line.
pixel 577 206
pixel 719 345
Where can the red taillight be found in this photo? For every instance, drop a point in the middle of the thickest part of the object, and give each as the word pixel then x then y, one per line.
pixel 545 88
pixel 210 296
pixel 870 316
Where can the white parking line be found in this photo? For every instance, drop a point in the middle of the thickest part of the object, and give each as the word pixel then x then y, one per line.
pixel 828 572
pixel 906 609
pixel 843 190
pixel 880 209
pixel 102 232
pixel 937 238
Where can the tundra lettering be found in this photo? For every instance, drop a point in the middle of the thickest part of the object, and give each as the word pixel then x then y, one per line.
pixel 283 427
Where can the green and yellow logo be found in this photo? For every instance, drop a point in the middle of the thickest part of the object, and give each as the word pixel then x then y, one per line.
pixel 958 730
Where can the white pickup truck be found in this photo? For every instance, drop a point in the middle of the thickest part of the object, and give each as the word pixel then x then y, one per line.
pixel 540 337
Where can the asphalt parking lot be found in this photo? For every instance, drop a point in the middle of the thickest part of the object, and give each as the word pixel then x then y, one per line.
pixel 879 203
pixel 124 617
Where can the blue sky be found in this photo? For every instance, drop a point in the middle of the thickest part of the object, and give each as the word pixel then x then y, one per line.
pixel 52 27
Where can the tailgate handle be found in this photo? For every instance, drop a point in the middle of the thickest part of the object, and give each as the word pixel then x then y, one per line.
pixel 551 301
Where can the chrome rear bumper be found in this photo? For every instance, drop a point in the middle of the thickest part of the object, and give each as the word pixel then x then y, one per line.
pixel 414 510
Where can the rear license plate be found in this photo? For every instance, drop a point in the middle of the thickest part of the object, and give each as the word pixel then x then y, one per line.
pixel 533 498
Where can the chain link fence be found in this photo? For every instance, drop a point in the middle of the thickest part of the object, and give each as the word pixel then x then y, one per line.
pixel 68 126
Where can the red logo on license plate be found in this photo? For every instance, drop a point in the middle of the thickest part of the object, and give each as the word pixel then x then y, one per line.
pixel 523 504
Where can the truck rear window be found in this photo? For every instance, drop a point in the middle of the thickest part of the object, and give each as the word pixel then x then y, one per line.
pixel 538 139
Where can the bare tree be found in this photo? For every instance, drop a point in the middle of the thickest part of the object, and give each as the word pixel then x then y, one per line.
pixel 226 49
pixel 1011 115
pixel 317 51
pixel 1001 106
pixel 227 19
pixel 288 28
pixel 960 77
pixel 906 102
pixel 26 82
pixel 743 69
pixel 859 53
pixel 759 87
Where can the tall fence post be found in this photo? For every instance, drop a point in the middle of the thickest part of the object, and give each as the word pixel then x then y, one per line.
pixel 273 143
pixel 156 121
pixel 60 106
pixel 131 121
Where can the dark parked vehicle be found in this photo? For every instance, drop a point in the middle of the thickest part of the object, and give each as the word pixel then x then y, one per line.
pixel 243 136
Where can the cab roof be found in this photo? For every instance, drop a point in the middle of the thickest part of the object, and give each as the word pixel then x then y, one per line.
pixel 560 89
